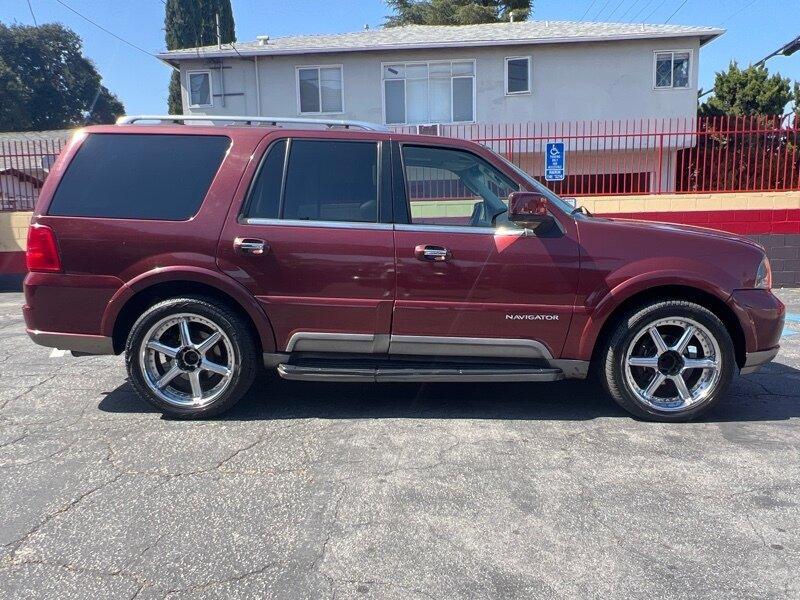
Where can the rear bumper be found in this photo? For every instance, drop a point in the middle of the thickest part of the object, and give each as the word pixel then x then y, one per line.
pixel 65 311
pixel 755 360
pixel 76 342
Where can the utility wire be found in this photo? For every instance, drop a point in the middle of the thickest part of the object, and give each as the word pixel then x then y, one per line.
pixel 111 33
pixel 733 14
pixel 641 10
pixel 676 11
pixel 602 8
pixel 616 8
pixel 588 8
pixel 33 16
pixel 655 10
pixel 629 9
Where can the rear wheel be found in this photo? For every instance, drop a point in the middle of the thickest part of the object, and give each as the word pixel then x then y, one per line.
pixel 669 361
pixel 191 358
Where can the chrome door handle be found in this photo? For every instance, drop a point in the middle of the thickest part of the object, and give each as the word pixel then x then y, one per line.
pixel 432 253
pixel 250 246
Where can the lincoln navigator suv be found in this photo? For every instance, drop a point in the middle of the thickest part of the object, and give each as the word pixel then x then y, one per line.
pixel 342 252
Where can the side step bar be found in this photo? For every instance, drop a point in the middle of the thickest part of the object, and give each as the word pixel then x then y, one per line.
pixel 382 375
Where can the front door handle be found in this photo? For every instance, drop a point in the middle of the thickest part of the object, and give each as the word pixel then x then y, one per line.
pixel 432 253
pixel 252 246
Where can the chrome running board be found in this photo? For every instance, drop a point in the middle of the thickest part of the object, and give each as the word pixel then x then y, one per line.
pixel 399 375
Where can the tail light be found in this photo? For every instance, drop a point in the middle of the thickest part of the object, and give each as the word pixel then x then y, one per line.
pixel 42 253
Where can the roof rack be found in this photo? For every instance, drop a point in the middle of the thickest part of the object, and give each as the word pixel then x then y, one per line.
pixel 273 121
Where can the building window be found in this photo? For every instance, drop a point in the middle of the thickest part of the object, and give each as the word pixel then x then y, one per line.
pixel 518 75
pixel 429 92
pixel 319 90
pixel 672 69
pixel 200 88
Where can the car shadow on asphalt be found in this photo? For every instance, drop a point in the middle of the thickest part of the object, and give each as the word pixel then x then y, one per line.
pixel 772 395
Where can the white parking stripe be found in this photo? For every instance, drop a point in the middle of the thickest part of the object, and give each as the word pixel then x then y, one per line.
pixel 56 353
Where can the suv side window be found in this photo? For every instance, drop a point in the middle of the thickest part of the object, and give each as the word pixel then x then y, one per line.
pixel 319 180
pixel 331 181
pixel 265 195
pixel 139 176
pixel 453 187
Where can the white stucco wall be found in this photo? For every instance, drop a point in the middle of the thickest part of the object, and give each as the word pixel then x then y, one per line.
pixel 575 81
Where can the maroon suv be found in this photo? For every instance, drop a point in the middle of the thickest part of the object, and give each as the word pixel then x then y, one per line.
pixel 355 254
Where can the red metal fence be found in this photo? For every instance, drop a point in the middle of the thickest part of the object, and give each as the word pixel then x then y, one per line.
pixel 635 156
pixel 650 156
pixel 24 165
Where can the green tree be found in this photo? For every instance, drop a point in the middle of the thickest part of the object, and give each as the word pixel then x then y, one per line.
pixel 192 24
pixel 750 91
pixel 456 12
pixel 13 97
pixel 47 83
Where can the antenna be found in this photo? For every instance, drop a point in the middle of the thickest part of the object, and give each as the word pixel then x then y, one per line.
pixel 219 36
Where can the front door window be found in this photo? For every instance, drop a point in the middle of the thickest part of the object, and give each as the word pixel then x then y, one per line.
pixel 456 188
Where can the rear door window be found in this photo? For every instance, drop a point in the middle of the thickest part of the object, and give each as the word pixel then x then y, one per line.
pixel 332 181
pixel 135 176
pixel 265 195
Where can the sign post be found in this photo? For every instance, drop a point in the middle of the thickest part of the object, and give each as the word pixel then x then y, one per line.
pixel 555 162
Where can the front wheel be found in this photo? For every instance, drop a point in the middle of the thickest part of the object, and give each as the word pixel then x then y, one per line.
pixel 669 361
pixel 191 358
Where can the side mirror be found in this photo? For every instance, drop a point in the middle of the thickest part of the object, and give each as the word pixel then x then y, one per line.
pixel 528 207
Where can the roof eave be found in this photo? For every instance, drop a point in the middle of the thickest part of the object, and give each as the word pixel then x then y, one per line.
pixel 704 36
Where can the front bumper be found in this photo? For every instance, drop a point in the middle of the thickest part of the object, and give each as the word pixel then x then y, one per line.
pixel 761 315
pixel 755 360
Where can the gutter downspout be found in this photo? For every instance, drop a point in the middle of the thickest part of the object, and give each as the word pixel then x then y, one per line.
pixel 258 87
pixel 222 80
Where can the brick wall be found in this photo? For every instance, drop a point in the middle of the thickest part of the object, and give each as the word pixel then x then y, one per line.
pixel 14 231
pixel 784 256
pixel 771 218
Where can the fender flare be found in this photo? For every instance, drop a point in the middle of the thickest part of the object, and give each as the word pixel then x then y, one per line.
pixel 201 275
pixel 615 297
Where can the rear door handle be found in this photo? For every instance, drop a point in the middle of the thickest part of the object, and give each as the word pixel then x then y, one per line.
pixel 250 246
pixel 432 253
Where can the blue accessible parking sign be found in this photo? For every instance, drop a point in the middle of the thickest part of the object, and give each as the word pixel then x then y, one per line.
pixel 554 162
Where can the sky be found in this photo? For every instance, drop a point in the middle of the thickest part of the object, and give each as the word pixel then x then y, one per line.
pixel 754 29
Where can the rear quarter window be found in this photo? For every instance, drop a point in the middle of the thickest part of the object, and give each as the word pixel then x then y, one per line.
pixel 133 176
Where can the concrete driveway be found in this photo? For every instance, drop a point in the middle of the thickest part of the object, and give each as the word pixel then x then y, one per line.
pixel 393 491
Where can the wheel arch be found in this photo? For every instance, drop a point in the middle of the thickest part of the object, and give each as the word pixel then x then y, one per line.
pixel 134 298
pixel 674 292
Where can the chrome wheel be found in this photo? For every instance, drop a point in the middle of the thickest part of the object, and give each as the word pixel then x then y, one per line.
pixel 673 364
pixel 187 360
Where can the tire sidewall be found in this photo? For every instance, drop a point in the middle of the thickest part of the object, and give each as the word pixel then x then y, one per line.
pixel 241 342
pixel 628 330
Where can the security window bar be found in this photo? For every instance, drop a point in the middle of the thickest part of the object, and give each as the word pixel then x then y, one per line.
pixel 672 70
pixel 429 92
pixel 200 89
pixel 320 90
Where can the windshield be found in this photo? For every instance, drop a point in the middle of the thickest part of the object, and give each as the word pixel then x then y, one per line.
pixel 542 189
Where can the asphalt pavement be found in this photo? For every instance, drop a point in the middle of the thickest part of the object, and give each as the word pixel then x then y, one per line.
pixel 386 491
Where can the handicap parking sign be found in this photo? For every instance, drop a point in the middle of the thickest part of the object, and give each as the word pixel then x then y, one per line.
pixel 554 162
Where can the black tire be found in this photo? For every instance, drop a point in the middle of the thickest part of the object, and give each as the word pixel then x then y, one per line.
pixel 228 321
pixel 611 369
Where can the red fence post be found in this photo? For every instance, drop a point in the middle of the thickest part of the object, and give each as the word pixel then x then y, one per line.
pixel 660 161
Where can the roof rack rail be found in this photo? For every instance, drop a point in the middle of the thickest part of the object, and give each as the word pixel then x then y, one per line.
pixel 274 121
